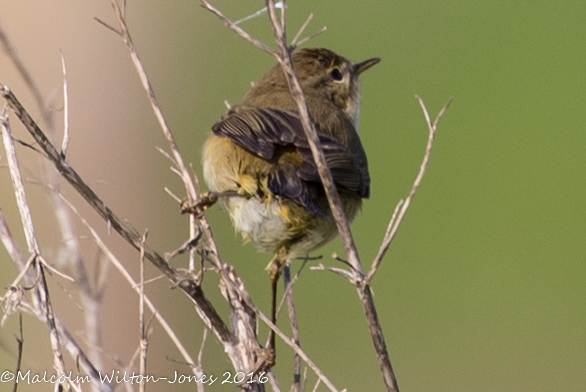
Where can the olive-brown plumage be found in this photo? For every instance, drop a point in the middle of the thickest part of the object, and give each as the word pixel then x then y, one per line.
pixel 259 149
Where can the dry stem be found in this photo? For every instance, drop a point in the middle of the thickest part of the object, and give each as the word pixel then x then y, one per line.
pixel 33 247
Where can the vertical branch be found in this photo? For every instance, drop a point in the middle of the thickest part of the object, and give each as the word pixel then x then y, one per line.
pixel 284 58
pixel 336 206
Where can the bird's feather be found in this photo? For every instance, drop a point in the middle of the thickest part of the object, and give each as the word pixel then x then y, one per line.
pixel 263 131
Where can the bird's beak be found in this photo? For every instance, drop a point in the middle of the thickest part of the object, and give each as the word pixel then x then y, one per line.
pixel 363 66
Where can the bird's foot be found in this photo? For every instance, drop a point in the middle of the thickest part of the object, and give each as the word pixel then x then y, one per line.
pixel 205 201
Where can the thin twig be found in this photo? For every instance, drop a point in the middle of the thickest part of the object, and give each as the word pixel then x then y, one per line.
pixel 24 270
pixel 173 195
pixel 65 142
pixel 200 387
pixel 68 341
pixel 301 30
pixel 187 246
pixel 26 75
pixel 311 36
pixel 17 183
pixel 290 286
pixel 291 343
pixel 274 383
pixel 316 385
pixel 54 270
pixel 134 285
pixel 143 343
pixel 396 219
pixel 236 29
pixel 178 160
pixel 19 343
pixel 340 271
pixel 296 387
pixel 106 25
pixel 257 13
pixel 11 245
pixel 283 18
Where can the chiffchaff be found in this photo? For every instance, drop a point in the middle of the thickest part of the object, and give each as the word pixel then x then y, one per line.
pixel 259 159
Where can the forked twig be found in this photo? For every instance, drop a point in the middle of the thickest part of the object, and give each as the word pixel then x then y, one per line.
pixel 302 29
pixel 402 207
pixel 232 26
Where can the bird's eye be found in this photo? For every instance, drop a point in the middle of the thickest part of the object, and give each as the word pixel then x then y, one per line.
pixel 336 75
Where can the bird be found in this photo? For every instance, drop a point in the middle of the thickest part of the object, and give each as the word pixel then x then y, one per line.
pixel 258 163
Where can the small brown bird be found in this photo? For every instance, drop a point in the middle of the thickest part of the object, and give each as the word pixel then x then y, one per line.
pixel 259 160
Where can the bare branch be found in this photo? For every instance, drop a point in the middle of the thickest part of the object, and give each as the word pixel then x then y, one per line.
pixel 258 13
pixel 10 245
pixel 135 286
pixel 301 30
pixel 33 246
pixel 178 160
pixel 397 219
pixel 386 243
pixel 17 183
pixel 129 233
pixel 187 246
pixel 311 36
pixel 335 204
pixel 106 25
pixel 340 271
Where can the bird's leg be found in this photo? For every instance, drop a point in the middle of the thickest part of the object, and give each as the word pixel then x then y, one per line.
pixel 275 274
pixel 205 201
pixel 267 356
pixel 274 268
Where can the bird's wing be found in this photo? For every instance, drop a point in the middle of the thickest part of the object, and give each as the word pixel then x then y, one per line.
pixel 264 130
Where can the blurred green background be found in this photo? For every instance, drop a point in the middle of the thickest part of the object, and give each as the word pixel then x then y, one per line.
pixel 483 289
